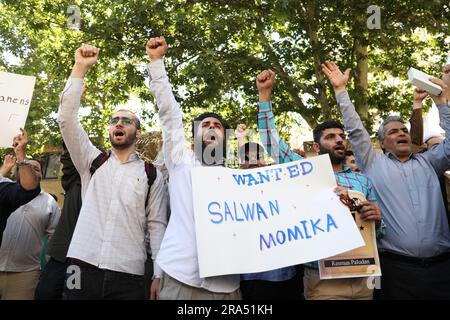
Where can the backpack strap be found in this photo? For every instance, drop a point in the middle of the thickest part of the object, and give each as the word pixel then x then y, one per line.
pixel 101 159
pixel 150 170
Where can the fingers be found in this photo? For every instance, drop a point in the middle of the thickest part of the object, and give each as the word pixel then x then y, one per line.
pixel 87 50
pixel 439 82
pixel 369 211
pixel 156 42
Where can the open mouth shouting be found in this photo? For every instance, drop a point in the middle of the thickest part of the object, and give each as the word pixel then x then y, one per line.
pixel 119 134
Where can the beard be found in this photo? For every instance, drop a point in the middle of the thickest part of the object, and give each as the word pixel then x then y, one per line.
pixel 335 159
pixel 125 144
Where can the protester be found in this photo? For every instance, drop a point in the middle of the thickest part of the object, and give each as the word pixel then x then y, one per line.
pixel 122 213
pixel 23 241
pixel 13 194
pixel 51 283
pixel 350 160
pixel 414 254
pixel 178 254
pixel 279 284
pixel 329 138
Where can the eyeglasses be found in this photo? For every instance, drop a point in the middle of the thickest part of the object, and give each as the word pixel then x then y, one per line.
pixel 354 204
pixel 125 120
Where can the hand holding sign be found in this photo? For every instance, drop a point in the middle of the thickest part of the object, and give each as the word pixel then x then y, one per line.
pixel 370 212
pixel 445 94
pixel 418 97
pixel 19 144
pixel 338 79
pixel 264 83
pixel 156 48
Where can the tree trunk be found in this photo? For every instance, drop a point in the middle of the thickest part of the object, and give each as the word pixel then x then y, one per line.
pixel 310 10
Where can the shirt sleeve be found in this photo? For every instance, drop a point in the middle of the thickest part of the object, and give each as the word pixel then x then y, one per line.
pixel 81 150
pixel 277 148
pixel 12 195
pixel 170 115
pixel 439 156
pixel 156 218
pixel 54 215
pixel 416 122
pixel 358 136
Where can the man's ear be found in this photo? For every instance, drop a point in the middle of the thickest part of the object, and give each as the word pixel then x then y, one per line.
pixel 381 145
pixel 138 134
pixel 316 147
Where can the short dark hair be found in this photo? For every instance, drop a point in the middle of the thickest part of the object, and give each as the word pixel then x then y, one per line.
pixel 205 115
pixel 319 129
pixel 245 149
pixel 349 153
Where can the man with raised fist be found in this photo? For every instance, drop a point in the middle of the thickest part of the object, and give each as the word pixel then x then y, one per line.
pixel 178 254
pixel 123 214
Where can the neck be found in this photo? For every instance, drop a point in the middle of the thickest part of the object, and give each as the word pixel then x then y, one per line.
pixel 124 154
pixel 337 166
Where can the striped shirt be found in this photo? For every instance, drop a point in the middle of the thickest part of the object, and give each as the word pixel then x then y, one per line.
pixel 280 152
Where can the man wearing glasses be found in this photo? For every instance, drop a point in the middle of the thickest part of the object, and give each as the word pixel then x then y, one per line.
pixel 329 138
pixel 120 218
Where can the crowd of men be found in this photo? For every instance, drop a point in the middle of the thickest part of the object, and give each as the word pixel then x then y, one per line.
pixel 115 239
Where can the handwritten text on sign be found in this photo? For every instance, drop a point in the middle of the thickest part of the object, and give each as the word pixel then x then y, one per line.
pixel 16 92
pixel 267 218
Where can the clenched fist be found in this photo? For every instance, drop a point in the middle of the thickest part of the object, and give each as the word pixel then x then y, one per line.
pixel 264 83
pixel 156 48
pixel 86 55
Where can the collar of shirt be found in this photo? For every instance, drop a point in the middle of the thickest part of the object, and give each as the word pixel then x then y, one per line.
pixel 391 155
pixel 133 157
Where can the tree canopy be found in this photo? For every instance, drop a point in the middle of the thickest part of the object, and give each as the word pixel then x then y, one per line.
pixel 217 47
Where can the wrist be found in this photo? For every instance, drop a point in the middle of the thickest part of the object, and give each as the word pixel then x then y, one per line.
pixel 265 96
pixel 417 105
pixel 79 70
pixel 154 57
pixel 338 90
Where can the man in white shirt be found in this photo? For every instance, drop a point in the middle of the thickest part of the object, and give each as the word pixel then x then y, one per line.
pixel 120 216
pixel 178 254
pixel 23 239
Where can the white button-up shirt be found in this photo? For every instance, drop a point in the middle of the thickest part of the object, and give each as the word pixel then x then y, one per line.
pixel 114 227
pixel 178 255
pixel 26 227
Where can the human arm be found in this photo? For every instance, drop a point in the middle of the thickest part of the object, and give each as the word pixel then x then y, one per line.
pixel 357 134
pixel 169 112
pixel 28 179
pixel 277 148
pixel 157 218
pixel 416 120
pixel 76 139
pixel 439 156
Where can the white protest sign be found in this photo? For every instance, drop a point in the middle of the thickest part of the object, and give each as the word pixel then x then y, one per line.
pixel 16 92
pixel 267 218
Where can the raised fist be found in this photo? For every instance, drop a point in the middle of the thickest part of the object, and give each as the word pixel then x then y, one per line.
pixel 86 55
pixel 156 48
pixel 265 80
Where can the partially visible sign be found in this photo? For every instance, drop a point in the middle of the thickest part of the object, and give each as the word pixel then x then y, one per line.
pixel 360 262
pixel 16 92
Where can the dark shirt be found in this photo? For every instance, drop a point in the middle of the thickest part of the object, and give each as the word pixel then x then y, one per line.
pixel 59 244
pixel 12 196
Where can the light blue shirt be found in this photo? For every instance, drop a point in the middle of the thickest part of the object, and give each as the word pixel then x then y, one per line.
pixel 408 193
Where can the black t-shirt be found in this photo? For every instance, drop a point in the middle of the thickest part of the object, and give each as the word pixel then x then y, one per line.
pixel 12 196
